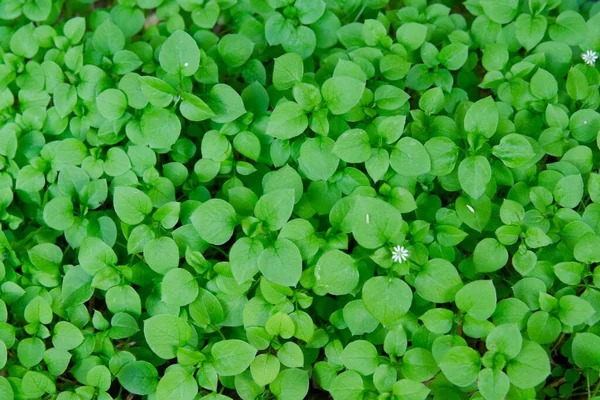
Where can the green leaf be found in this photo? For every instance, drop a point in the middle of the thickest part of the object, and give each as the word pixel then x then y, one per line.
pixel 287 121
pixel 358 319
pixel 290 355
pixel 232 357
pixel 569 191
pixel 275 208
pixel 454 56
pixel 489 255
pixel 569 27
pixel 353 146
pixel 65 99
pixel 45 257
pixel 194 109
pixel 461 365
pixel 530 30
pixel 438 320
pixel 569 272
pixel 342 93
pixel 58 213
pixel 243 258
pixel 482 117
pixel 388 97
pixel 38 310
pixel 226 103
pixel 278 29
pixel 317 159
pixel 501 11
pixel 438 281
pixel 378 164
pixel 432 101
pixel 160 128
pixel 126 61
pixel 584 125
pixel 574 310
pixel 287 71
pixel 411 35
pixel 290 384
pixel 280 324
pixel 94 255
pixel 530 368
pixel 514 150
pixel 493 384
pixel 410 158
pixel 474 173
pixel 577 85
pixel 419 364
pixel 112 103
pixel 375 222
pixel 30 352
pixel 37 384
pixel 108 38
pixel 336 273
pixel 179 54
pixel 360 356
pixel 177 384
pixel 235 49
pixel 505 339
pixel 23 42
pixel 281 263
pixel 37 10
pixel 543 85
pixel 156 91
pixel 138 377
pixel 543 328
pixel 411 390
pixel 206 309
pixel 478 299
pixel 387 299
pixel 511 212
pixel 585 350
pixel 206 17
pixel 66 336
pixel 264 369
pixel 179 287
pixel 309 11
pixel 214 220
pixel 131 205
pixel 123 299
pixel 165 334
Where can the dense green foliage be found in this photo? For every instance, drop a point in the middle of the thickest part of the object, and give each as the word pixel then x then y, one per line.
pixel 282 199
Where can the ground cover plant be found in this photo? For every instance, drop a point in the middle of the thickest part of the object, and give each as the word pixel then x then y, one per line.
pixel 279 199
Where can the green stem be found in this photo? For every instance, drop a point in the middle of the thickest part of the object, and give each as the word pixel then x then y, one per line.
pixel 220 333
pixel 220 251
pixel 558 342
pixel 596 390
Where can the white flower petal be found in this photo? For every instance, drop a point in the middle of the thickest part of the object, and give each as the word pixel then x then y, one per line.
pixel 590 57
pixel 400 254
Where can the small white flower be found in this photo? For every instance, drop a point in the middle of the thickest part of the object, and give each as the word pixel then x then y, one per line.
pixel 186 64
pixel 471 209
pixel 590 57
pixel 399 254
